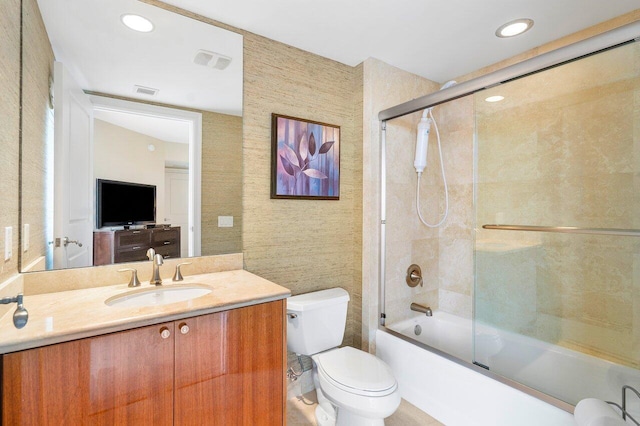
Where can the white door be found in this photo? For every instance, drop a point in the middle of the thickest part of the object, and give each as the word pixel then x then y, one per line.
pixel 176 209
pixel 73 215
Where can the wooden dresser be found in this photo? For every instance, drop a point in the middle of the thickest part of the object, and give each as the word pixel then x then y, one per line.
pixel 131 245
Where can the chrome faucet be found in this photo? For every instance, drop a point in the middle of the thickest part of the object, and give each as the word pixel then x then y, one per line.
pixel 422 309
pixel 157 261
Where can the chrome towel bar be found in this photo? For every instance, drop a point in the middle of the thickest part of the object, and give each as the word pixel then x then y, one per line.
pixel 567 230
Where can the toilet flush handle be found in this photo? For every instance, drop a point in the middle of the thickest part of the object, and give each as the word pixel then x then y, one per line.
pixel 292 315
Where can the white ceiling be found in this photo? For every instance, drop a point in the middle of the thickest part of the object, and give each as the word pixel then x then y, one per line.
pixel 176 131
pixel 107 57
pixel 439 40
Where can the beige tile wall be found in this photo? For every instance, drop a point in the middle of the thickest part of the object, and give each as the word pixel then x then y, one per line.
pixel 386 86
pixel 443 253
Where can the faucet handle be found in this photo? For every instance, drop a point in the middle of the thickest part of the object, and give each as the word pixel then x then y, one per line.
pixel 134 282
pixel 178 275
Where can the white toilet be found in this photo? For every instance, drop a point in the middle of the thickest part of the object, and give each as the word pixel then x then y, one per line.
pixel 354 387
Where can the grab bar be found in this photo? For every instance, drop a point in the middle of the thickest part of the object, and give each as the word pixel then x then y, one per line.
pixel 623 407
pixel 567 230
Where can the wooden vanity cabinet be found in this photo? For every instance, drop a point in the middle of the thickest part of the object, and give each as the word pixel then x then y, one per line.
pixel 225 368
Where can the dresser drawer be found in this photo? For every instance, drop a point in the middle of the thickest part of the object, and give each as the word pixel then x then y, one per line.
pixel 165 237
pixel 138 237
pixel 132 254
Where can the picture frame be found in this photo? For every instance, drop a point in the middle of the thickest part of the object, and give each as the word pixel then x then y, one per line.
pixel 305 159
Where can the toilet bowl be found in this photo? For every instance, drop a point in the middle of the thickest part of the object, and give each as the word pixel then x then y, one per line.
pixel 358 384
pixel 353 387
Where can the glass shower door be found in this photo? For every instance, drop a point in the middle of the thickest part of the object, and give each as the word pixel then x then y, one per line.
pixel 560 312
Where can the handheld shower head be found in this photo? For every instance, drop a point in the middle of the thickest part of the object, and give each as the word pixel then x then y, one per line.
pixel 420 159
pixel 448 84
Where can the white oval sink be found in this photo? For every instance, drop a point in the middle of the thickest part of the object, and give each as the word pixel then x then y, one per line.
pixel 157 296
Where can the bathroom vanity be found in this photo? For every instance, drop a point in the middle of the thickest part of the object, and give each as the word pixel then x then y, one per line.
pixel 215 359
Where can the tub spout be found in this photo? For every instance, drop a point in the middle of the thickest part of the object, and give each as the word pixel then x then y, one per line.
pixel 421 308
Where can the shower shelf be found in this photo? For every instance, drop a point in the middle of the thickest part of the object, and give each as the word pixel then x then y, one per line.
pixel 567 230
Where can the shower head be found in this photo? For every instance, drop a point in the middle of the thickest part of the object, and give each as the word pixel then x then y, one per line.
pixel 448 84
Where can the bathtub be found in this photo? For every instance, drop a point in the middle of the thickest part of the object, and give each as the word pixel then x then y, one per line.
pixel 455 394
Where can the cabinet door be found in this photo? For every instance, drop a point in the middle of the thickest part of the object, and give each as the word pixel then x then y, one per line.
pixel 121 378
pixel 230 367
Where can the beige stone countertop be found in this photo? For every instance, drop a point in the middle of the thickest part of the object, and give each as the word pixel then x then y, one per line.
pixel 69 315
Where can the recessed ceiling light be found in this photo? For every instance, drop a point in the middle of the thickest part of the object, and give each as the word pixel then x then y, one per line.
pixel 137 23
pixel 514 28
pixel 496 98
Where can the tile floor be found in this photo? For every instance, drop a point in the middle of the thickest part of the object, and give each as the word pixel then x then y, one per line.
pixel 300 412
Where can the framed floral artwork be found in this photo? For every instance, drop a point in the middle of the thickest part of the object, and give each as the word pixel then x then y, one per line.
pixel 305 159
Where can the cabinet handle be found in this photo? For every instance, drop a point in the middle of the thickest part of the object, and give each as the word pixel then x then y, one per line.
pixel 165 333
pixel 184 328
pixel 167 243
pixel 136 248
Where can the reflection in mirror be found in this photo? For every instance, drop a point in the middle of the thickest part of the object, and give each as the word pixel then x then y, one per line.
pixel 115 126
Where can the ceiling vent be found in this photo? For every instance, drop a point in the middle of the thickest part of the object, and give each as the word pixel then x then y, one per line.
pixel 146 91
pixel 212 59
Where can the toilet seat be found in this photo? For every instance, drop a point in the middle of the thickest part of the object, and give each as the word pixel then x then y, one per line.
pixel 356 372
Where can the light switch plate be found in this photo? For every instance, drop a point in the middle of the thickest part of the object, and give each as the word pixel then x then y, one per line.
pixel 225 221
pixel 8 242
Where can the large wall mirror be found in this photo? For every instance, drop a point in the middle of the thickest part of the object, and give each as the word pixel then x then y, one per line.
pixel 131 134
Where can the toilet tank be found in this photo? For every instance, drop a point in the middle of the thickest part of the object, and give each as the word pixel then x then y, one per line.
pixel 316 320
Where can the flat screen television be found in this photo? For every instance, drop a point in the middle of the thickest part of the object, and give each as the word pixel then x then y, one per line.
pixel 125 203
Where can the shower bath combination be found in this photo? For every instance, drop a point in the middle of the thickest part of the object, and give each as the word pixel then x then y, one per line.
pixel 420 160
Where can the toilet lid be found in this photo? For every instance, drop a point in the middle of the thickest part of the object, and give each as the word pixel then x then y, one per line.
pixel 356 369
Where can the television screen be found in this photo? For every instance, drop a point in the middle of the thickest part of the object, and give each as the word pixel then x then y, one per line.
pixel 124 203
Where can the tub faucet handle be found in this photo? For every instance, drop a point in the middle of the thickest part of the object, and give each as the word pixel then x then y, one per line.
pixel 414 276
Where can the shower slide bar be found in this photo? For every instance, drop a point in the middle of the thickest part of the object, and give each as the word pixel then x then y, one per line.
pixel 567 230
